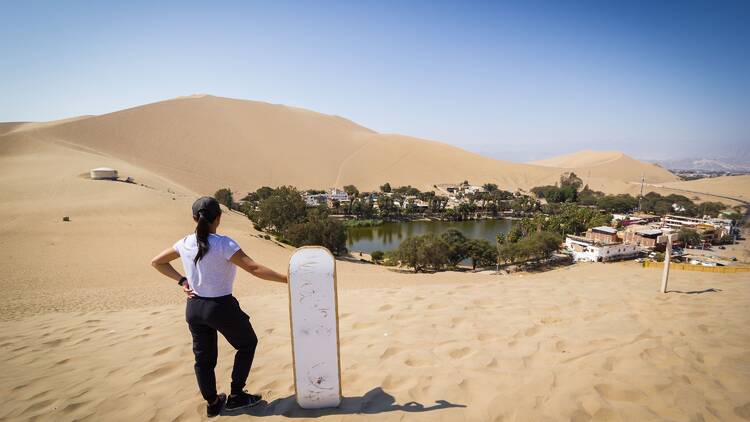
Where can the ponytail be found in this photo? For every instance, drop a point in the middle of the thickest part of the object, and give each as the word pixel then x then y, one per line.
pixel 201 235
pixel 205 211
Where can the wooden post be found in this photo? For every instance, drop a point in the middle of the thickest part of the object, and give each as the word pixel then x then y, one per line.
pixel 667 258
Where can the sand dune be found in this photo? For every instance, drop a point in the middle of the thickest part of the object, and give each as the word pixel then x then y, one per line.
pixel 89 331
pixel 575 344
pixel 730 186
pixel 205 142
pixel 605 167
pixel 584 158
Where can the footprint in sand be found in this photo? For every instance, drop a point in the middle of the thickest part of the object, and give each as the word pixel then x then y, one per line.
pixel 390 351
pixel 484 301
pixel 160 372
pixel 531 331
pixel 386 307
pixel 610 392
pixel 415 361
pixel 162 351
pixel 743 411
pixel 459 353
pixel 550 320
pixel 39 405
pixel 52 343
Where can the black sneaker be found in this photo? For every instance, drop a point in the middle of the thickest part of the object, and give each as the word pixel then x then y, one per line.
pixel 214 409
pixel 242 400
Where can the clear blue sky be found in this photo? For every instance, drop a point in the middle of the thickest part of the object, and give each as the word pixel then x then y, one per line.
pixel 516 80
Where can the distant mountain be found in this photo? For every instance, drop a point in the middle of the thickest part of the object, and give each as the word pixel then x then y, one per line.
pixel 740 163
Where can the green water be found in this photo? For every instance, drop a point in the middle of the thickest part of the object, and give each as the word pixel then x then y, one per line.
pixel 388 236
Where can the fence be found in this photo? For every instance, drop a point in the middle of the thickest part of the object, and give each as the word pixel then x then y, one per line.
pixel 700 268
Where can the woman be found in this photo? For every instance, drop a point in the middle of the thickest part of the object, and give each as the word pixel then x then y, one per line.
pixel 209 260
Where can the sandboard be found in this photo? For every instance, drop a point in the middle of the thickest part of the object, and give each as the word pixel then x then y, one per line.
pixel 314 320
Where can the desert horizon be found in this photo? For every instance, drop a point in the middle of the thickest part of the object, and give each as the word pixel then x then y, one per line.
pixel 454 211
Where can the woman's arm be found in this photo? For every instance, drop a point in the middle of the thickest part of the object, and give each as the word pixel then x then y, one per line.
pixel 261 271
pixel 162 264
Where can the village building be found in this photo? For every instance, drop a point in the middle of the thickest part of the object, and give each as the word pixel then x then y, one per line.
pixel 336 195
pixel 602 234
pixel 314 200
pixel 644 236
pixel 584 249
pixel 710 229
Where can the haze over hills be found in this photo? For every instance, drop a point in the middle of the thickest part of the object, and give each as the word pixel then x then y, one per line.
pixel 205 142
pixel 739 163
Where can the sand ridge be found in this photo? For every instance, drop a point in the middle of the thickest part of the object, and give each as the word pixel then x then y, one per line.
pixel 205 142
pixel 89 331
pixel 561 345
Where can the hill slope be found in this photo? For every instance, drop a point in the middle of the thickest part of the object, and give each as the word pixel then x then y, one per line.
pixel 612 165
pixel 206 142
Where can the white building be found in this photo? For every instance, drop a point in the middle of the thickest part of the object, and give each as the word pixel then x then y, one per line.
pixel 103 173
pixel 588 250
pixel 315 199
pixel 336 194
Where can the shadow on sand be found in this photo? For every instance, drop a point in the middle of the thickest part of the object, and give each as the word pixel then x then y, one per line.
pixel 375 401
pixel 695 292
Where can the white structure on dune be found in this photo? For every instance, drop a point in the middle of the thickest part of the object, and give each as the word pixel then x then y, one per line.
pixel 103 173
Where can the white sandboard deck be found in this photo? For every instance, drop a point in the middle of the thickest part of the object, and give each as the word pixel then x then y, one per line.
pixel 314 320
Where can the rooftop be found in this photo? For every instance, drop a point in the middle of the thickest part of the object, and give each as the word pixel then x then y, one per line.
pixel 605 229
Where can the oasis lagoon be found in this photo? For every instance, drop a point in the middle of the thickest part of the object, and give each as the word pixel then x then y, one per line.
pixel 388 236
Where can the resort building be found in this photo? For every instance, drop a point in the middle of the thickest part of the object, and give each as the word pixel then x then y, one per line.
pixel 584 249
pixel 336 195
pixel 644 236
pixel 602 234
pixel 710 229
pixel 314 200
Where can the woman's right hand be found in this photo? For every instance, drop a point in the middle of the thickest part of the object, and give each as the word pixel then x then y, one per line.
pixel 188 291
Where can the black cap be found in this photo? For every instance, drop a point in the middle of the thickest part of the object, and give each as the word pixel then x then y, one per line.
pixel 206 206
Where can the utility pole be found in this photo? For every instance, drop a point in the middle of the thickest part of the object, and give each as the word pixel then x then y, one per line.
pixel 667 259
pixel 640 197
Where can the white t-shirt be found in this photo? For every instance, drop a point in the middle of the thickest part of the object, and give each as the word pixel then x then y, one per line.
pixel 214 275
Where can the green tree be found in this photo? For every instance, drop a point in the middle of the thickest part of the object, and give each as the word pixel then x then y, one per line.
pixel 325 232
pixel 481 253
pixel 617 203
pixel 386 188
pixel 280 210
pixel 489 187
pixel 456 246
pixel 407 253
pixel 422 252
pixel 224 197
pixel 432 252
pixel 351 190
pixel 711 209
pixel 689 237
pixel 570 180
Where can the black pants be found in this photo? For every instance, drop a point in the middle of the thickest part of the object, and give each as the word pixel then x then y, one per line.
pixel 206 316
